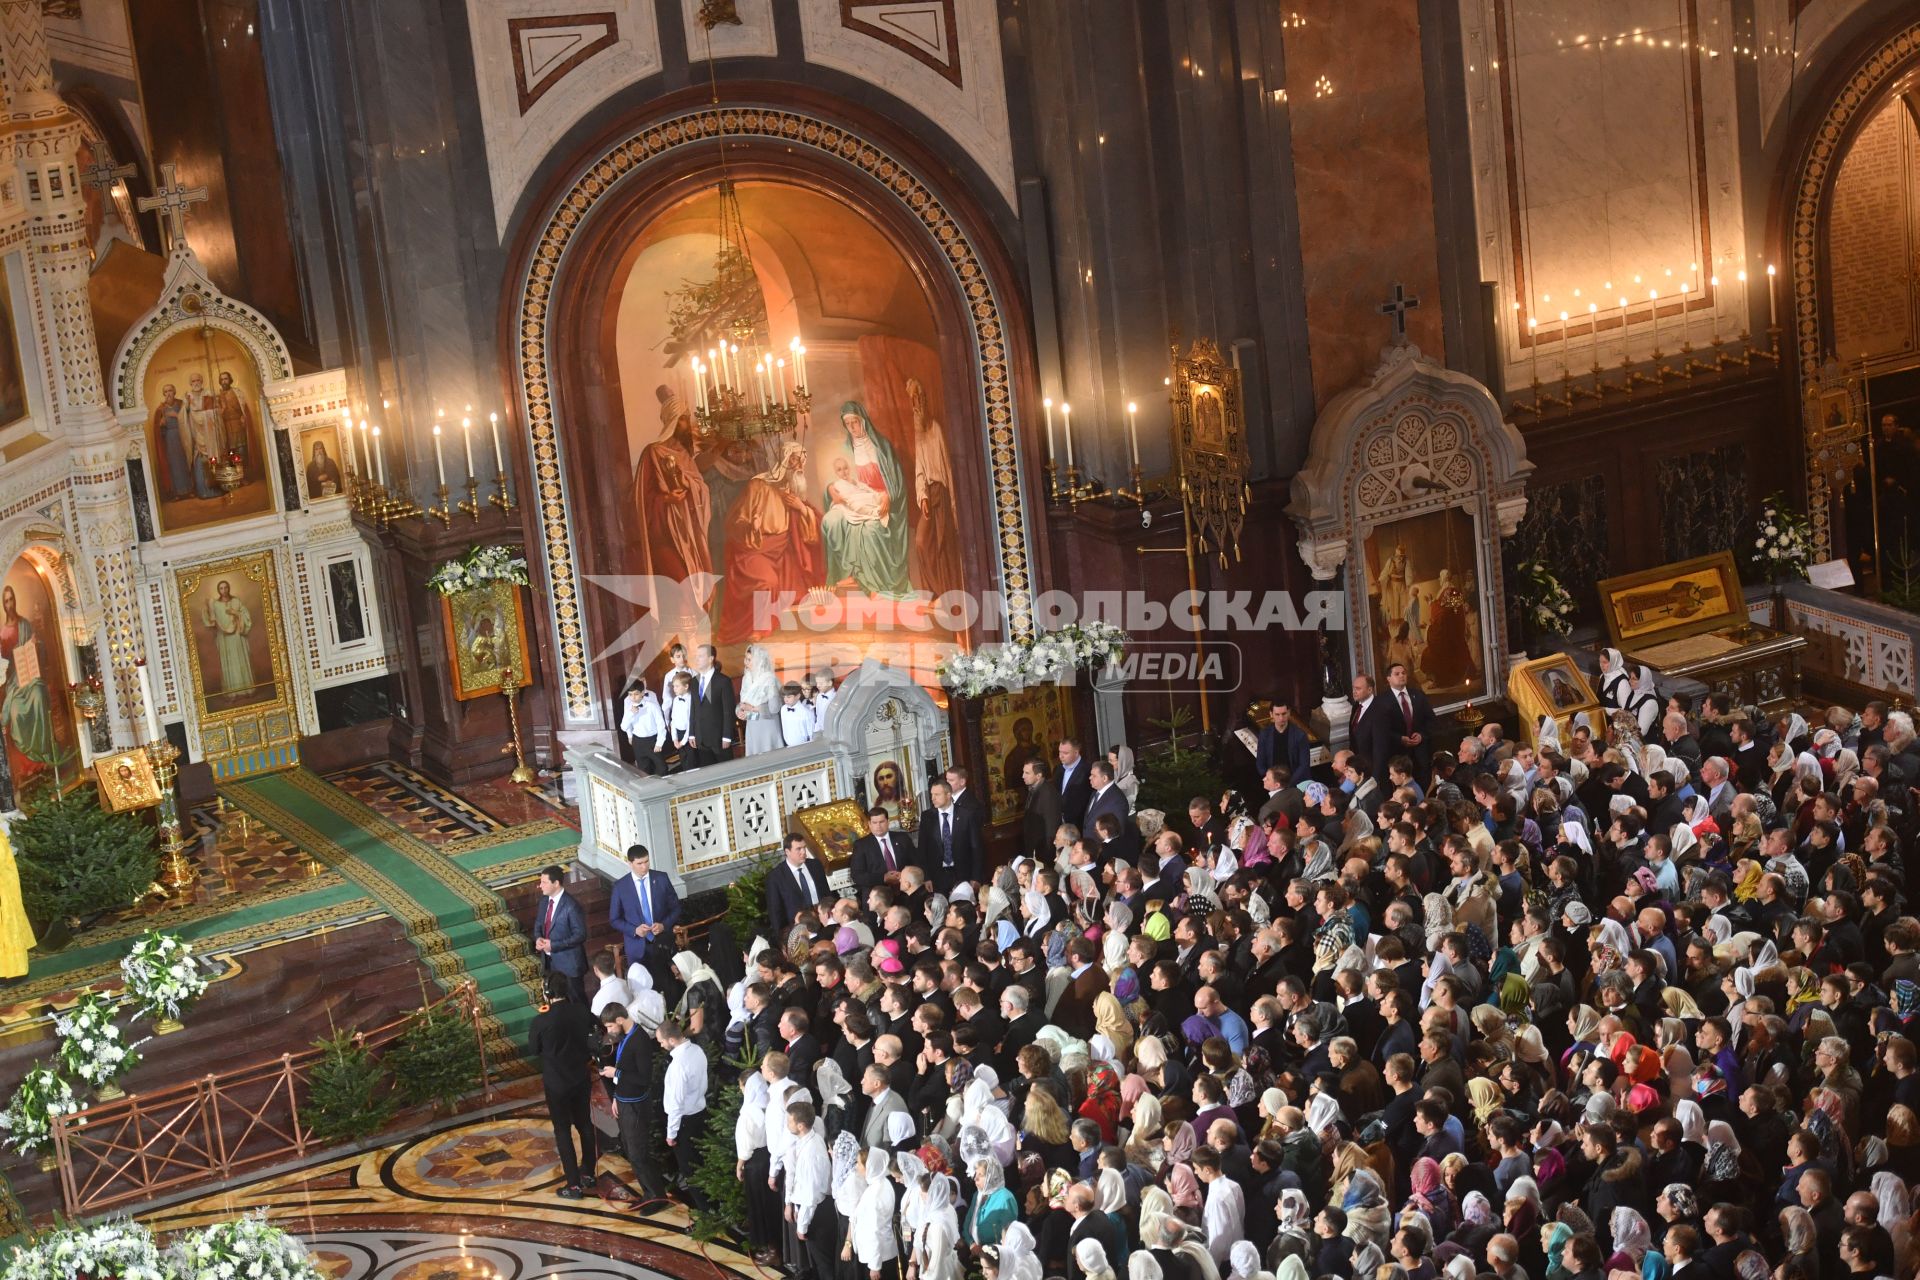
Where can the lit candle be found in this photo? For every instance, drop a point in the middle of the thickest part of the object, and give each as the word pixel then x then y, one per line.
pixel 800 363
pixel 1066 427
pixel 1653 297
pixel 146 701
pixel 499 458
pixel 366 454
pixel 713 355
pixel 1048 405
pixel 1771 275
pixel 781 366
pixel 1593 331
pixel 379 457
pixel 733 354
pixel 1566 361
pixel 439 463
pixel 1133 431
pixel 466 440
pixel 347 432
pixel 699 386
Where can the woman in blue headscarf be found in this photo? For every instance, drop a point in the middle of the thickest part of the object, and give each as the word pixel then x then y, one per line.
pixel 866 524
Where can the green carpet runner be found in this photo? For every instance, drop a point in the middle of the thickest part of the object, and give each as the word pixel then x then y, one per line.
pixel 460 926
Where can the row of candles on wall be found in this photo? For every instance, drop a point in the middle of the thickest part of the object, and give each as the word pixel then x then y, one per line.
pixel 367 461
pixel 1572 394
pixel 1074 490
pixel 775 382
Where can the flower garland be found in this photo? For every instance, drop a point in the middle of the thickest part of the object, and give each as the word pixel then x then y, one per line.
pixel 1049 657
pixel 479 567
pixel 42 1096
pixel 1545 605
pixel 117 1250
pixel 250 1249
pixel 91 1049
pixel 1782 541
pixel 162 976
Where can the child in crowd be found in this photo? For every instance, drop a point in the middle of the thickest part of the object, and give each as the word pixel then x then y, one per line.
pixel 677 655
pixel 823 692
pixel 796 717
pixel 680 721
pixel 646 727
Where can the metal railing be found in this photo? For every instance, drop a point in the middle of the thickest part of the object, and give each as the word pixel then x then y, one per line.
pixel 146 1145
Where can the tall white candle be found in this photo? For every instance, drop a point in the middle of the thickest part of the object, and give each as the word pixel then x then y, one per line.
pixel 346 433
pixel 1133 430
pixel 439 463
pixel 1047 404
pixel 466 439
pixel 499 458
pixel 366 452
pixel 1653 297
pixel 379 457
pixel 800 358
pixel 1593 331
pixel 1771 276
pixel 1066 427
pixel 781 367
pixel 146 701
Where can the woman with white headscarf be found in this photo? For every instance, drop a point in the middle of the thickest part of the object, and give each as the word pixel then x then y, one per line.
pixel 702 1009
pixel 979 1111
pixel 1896 1215
pixel 1156 1211
pixel 760 701
pixel 1013 1258
pixel 993 1205
pixel 936 1249
pixel 648 1006
pixel 1616 685
pixel 1039 916
pixel 1243 1262
pixel 1091 1256
pixel 871 1239
pixel 1644 702
pixel 834 1091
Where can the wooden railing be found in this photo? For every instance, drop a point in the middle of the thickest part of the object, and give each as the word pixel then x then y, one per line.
pixel 146 1145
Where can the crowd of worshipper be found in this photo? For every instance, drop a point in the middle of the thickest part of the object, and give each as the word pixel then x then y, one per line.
pixel 1571 1010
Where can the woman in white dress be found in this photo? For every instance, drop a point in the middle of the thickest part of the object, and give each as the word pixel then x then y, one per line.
pixel 871 1240
pixel 760 702
pixel 936 1250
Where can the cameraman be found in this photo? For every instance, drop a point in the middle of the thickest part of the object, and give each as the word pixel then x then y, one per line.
pixel 632 1077
pixel 562 1039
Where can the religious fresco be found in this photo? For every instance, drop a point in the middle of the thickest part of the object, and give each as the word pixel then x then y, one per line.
pixel 1016 727
pixel 204 431
pixel 1423 603
pixel 856 510
pixel 234 627
pixel 36 718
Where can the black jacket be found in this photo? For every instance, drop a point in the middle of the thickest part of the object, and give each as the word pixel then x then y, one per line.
pixel 713 716
pixel 562 1039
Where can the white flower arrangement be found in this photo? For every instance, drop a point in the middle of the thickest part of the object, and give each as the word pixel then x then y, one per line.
pixel 162 976
pixel 479 567
pixel 1545 605
pixel 92 1049
pixel 248 1249
pixel 1782 542
pixel 1048 658
pixel 42 1096
pixel 115 1250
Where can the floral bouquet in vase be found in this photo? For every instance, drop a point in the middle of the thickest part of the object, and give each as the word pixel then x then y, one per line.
pixel 163 978
pixel 250 1249
pixel 92 1049
pixel 120 1250
pixel 42 1096
pixel 1782 542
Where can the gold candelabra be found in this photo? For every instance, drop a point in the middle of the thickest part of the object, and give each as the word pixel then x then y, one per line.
pixel 500 498
pixel 510 687
pixel 1076 490
pixel 441 512
pixel 176 872
pixel 1595 385
pixel 470 505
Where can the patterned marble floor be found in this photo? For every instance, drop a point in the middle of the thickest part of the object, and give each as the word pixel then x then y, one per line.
pixel 434 813
pixel 474 1202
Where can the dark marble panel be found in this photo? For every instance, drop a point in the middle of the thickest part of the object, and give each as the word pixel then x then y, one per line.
pixel 142 509
pixel 1566 530
pixel 1704 503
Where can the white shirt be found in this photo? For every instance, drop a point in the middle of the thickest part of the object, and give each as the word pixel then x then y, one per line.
pixel 796 724
pixel 612 990
pixel 779 1140
pixel 666 682
pixel 680 715
pixel 684 1091
pixel 645 722
pixel 1364 704
pixel 870 1229
pixel 821 701
pixel 1225 1220
pixel 809 1176
pixel 749 1132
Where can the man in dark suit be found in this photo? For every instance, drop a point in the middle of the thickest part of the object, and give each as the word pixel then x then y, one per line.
pixel 1090 1225
pixel 560 934
pixel 714 707
pixel 798 884
pixel 1073 1013
pixel 1072 784
pixel 879 855
pixel 1411 719
pixel 964 796
pixel 949 841
pixel 1370 730
pixel 1118 840
pixel 643 912
pixel 1169 869
pixel 1284 743
pixel 800 1045
pixel 1042 817
pixel 1106 798
pixel 561 1038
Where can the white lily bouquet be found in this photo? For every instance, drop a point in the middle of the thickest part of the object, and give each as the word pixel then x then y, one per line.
pixel 92 1049
pixel 42 1096
pixel 248 1249
pixel 477 568
pixel 1049 657
pixel 162 976
pixel 1782 542
pixel 116 1250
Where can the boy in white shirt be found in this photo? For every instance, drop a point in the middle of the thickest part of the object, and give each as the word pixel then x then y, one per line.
pixel 679 717
pixel 816 1233
pixel 646 727
pixel 823 692
pixel 677 655
pixel 796 717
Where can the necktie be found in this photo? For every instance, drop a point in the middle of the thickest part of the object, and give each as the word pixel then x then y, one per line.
pixel 806 883
pixel 946 836
pixel 646 902
pixel 547 928
pixel 886 851
pixel 1406 711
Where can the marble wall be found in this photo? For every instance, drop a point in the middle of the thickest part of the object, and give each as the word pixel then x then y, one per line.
pixel 1606 145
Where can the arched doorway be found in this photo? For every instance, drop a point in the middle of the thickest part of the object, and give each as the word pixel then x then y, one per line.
pixel 1852 216
pixel 845 235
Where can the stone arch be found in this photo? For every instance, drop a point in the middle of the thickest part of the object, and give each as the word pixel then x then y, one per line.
pixel 557 240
